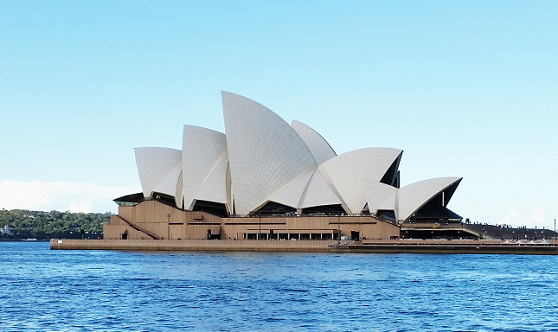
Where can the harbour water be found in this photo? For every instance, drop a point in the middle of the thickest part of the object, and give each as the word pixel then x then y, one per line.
pixel 44 290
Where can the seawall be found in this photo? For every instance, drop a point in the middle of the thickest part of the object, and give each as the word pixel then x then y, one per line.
pixel 409 247
pixel 192 245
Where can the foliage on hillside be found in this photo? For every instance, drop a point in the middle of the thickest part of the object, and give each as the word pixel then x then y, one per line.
pixel 53 224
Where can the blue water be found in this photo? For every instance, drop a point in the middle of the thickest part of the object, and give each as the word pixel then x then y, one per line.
pixel 43 290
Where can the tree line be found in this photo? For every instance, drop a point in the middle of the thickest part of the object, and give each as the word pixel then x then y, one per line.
pixel 23 224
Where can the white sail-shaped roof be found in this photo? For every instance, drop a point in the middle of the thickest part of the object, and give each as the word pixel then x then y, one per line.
pixel 349 171
pixel 214 187
pixel 179 193
pixel 263 159
pixel 379 196
pixel 168 185
pixel 416 195
pixel 159 169
pixel 390 203
pixel 319 192
pixel 265 153
pixel 204 162
pixel 320 148
pixel 291 193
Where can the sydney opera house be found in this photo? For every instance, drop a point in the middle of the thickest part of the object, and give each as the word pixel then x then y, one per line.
pixel 264 179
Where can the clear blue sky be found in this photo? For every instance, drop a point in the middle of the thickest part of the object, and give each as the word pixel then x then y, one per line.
pixel 465 88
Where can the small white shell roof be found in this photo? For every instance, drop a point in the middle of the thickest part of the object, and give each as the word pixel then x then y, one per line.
pixel 265 153
pixel 168 185
pixel 214 187
pixel 348 172
pixel 319 192
pixel 379 196
pixel 416 195
pixel 291 193
pixel 320 148
pixel 159 169
pixel 204 162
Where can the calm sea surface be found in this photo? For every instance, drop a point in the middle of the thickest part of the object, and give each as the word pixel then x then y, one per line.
pixel 44 290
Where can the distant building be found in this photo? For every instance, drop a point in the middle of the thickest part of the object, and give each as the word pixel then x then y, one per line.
pixel 6 230
pixel 262 167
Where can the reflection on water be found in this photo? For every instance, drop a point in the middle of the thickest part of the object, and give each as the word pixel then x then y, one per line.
pixel 44 290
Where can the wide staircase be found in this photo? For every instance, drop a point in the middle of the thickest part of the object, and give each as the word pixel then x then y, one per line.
pixel 141 229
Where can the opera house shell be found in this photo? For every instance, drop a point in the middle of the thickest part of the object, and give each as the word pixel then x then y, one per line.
pixel 263 167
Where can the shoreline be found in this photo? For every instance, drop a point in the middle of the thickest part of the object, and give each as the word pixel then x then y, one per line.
pixel 387 247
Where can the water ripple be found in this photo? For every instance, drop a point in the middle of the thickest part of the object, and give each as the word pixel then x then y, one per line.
pixel 43 290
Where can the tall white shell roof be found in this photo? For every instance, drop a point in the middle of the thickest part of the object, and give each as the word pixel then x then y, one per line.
pixel 265 153
pixel 263 162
